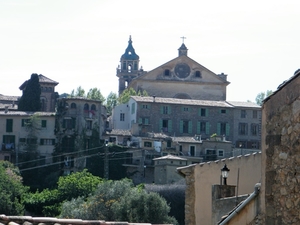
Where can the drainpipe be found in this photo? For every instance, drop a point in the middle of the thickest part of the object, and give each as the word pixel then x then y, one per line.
pixel 238 209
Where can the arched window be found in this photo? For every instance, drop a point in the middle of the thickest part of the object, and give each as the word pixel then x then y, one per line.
pixel 73 105
pixel 93 107
pixel 86 106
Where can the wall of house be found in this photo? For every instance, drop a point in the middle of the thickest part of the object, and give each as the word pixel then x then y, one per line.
pixel 281 155
pixel 244 173
pixel 116 122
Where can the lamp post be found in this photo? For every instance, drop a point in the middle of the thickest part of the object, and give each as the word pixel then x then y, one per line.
pixel 225 173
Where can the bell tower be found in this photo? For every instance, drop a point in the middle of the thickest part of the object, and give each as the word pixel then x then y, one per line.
pixel 128 68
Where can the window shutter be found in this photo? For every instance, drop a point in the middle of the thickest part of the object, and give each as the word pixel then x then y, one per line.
pixel 161 109
pixel 219 128
pixel 198 127
pixel 227 129
pixel 9 125
pixel 206 112
pixel 160 124
pixel 169 109
pixel 146 121
pixel 190 127
pixel 22 123
pixel 140 121
pixel 170 126
pixel 181 126
pixel 207 128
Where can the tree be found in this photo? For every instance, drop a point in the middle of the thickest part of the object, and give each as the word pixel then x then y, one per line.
pixel 111 102
pixel 95 94
pixel 120 201
pixel 127 93
pixel 261 96
pixel 12 189
pixel 30 100
pixel 80 92
pixel 49 202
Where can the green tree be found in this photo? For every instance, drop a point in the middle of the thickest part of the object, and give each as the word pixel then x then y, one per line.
pixel 120 201
pixel 30 100
pixel 12 189
pixel 261 96
pixel 80 92
pixel 49 202
pixel 111 102
pixel 95 94
pixel 127 93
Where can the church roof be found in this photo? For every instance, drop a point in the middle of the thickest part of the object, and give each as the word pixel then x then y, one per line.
pixel 181 101
pixel 130 52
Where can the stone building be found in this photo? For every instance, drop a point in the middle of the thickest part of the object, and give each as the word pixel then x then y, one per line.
pixel 48 94
pixel 79 125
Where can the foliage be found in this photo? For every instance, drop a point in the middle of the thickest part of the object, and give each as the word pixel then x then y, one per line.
pixel 127 93
pixel 80 92
pixel 111 102
pixel 95 94
pixel 30 100
pixel 48 202
pixel 12 189
pixel 119 201
pixel 261 96
pixel 174 195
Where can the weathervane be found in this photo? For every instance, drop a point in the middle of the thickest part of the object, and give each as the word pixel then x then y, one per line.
pixel 183 37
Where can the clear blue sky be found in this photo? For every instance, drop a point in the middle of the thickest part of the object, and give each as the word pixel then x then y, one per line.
pixel 76 42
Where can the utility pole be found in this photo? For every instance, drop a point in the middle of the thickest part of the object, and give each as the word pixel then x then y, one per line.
pixel 106 162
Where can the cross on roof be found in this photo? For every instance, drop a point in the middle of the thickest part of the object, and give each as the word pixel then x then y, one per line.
pixel 183 37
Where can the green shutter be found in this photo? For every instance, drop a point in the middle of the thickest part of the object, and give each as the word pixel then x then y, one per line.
pixel 206 112
pixel 170 126
pixel 219 128
pixel 169 110
pixel 190 127
pixel 227 129
pixel 181 126
pixel 160 125
pixel 140 120
pixel 161 109
pixel 9 125
pixel 198 127
pixel 207 128
pixel 146 121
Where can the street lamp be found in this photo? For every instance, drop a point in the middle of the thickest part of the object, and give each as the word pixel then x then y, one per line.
pixel 225 172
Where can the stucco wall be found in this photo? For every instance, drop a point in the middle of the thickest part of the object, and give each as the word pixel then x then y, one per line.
pixel 201 177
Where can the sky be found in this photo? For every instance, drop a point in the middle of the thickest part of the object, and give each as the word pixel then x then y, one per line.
pixel 80 42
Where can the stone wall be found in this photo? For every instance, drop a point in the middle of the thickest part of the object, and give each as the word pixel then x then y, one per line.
pixel 281 155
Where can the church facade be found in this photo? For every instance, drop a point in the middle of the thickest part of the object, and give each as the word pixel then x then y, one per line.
pixel 185 99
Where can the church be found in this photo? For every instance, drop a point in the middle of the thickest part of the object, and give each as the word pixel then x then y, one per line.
pixel 184 99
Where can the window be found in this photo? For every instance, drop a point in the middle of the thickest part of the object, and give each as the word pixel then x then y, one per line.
pixel 148 144
pixel 254 129
pixel 169 143
pixel 254 115
pixel 45 141
pixel 223 111
pixel 243 113
pixel 73 105
pixel 132 108
pixel 69 123
pixel 93 107
pixel 86 106
pixel 223 128
pixel 31 141
pixel 220 153
pixel 9 125
pixel 165 125
pixel 44 123
pixel 24 122
pixel 89 124
pixel 122 116
pixel 198 74
pixel 6 158
pixel 8 142
pixel 144 106
pixel 185 126
pixel 202 127
pixel 243 128
pixel 144 120
pixel 203 112
pixel 185 109
pixel 22 140
pixel 210 154
pixel 192 151
pixel 165 109
pixel 167 73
